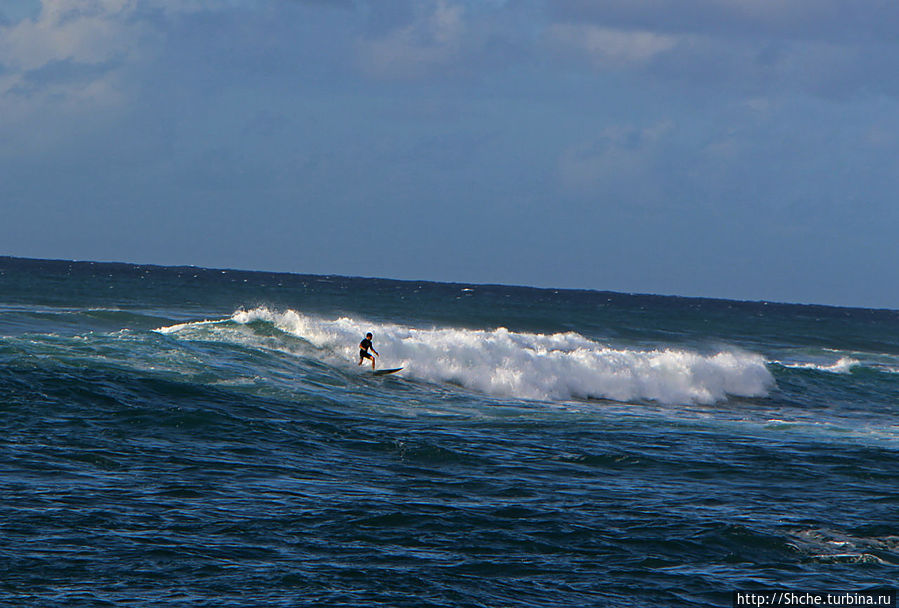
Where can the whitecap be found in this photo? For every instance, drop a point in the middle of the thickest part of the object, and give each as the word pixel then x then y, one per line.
pixel 536 366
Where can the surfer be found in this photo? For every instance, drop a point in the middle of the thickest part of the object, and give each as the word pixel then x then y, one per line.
pixel 363 350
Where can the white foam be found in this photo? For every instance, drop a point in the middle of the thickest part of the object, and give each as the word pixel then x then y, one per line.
pixel 843 365
pixel 532 366
pixel 180 327
pixel 836 546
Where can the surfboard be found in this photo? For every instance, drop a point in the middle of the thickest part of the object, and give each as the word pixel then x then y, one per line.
pixel 381 372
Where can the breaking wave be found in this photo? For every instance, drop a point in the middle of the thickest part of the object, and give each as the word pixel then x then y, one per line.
pixel 843 365
pixel 505 363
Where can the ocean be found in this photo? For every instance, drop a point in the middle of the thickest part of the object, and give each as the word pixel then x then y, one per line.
pixel 196 437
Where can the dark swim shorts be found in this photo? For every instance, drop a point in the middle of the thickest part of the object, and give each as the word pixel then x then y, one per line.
pixel 364 355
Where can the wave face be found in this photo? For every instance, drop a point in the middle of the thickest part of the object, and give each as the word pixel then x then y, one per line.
pixel 505 363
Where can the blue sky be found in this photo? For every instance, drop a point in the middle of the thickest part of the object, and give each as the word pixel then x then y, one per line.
pixel 742 149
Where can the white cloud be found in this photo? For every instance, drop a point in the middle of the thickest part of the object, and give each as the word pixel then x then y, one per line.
pixel 434 38
pixel 64 72
pixel 828 48
pixel 81 31
pixel 611 48
pixel 66 61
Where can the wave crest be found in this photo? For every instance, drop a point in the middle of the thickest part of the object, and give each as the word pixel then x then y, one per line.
pixel 505 363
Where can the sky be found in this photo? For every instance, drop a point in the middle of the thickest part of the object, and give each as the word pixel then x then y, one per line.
pixel 743 149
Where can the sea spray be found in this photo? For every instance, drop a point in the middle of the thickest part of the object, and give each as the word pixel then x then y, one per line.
pixel 523 365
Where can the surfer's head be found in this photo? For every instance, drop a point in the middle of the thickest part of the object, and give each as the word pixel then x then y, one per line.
pixel 368 335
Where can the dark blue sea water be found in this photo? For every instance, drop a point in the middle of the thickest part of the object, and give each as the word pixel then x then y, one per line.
pixel 192 437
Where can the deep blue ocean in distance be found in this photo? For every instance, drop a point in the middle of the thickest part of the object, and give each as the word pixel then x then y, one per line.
pixel 196 437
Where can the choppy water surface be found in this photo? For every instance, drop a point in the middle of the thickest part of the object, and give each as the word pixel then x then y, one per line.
pixel 190 437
